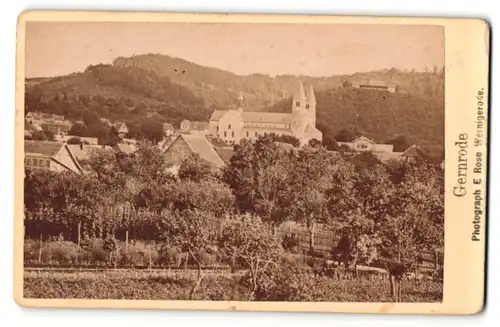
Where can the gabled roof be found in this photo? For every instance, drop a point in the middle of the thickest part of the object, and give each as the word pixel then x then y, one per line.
pixel 50 149
pixel 119 124
pixel 363 138
pixel 84 151
pixel 217 114
pixel 201 146
pixel 225 153
pixel 45 148
pixel 413 151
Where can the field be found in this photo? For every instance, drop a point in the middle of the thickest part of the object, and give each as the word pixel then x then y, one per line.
pixel 164 285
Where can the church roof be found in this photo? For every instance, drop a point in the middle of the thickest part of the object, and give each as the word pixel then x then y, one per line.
pixel 257 117
pixel 310 95
pixel 266 117
pixel 217 114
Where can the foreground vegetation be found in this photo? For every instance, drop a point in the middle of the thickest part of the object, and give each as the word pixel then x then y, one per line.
pixel 380 214
pixel 156 286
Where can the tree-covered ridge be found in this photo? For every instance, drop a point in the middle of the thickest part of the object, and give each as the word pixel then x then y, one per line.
pixel 379 115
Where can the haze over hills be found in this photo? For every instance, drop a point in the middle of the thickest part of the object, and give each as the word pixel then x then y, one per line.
pixel 185 90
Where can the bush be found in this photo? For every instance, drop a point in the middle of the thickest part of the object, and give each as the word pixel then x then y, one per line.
pixel 137 254
pixel 61 252
pixel 94 251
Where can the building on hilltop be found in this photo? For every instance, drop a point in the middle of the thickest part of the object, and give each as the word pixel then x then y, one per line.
pixel 236 124
pixel 374 85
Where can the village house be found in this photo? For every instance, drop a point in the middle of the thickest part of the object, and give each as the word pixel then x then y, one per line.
pixel 83 152
pixel 185 145
pixel 413 153
pixel 236 124
pixel 185 126
pixel 384 152
pixel 88 140
pixel 58 128
pixel 33 127
pixel 40 117
pixel 198 128
pixel 121 128
pixel 168 129
pixel 53 156
pixel 374 85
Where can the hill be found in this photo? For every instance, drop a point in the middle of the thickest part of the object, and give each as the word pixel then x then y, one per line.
pixel 220 88
pixel 379 115
pixel 178 89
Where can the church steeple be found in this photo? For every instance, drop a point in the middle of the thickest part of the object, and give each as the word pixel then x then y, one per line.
pixel 311 99
pixel 240 102
pixel 299 98
pixel 311 105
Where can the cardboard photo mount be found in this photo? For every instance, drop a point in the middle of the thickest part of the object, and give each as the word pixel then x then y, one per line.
pixel 467 57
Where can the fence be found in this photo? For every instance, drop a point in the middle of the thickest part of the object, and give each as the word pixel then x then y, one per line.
pixel 127 223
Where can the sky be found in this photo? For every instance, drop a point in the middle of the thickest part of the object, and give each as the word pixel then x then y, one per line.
pixel 60 48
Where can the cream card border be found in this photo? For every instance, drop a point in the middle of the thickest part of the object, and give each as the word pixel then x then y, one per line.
pixel 467 69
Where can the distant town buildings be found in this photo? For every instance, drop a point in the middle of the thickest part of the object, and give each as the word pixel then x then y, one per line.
pixel 87 140
pixel 236 124
pixel 384 152
pixel 56 124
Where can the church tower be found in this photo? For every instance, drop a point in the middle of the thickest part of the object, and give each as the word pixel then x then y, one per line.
pixel 311 105
pixel 240 103
pixel 299 112
pixel 299 98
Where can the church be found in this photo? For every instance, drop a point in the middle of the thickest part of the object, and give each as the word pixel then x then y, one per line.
pixel 236 124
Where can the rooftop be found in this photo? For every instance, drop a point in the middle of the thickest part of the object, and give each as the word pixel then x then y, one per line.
pixel 46 148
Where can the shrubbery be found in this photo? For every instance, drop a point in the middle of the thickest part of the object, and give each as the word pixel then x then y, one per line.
pixel 293 286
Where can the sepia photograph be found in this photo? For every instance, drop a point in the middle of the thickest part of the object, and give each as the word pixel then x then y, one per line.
pixel 215 161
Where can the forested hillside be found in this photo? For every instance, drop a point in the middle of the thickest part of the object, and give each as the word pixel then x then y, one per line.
pixel 379 115
pixel 178 89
